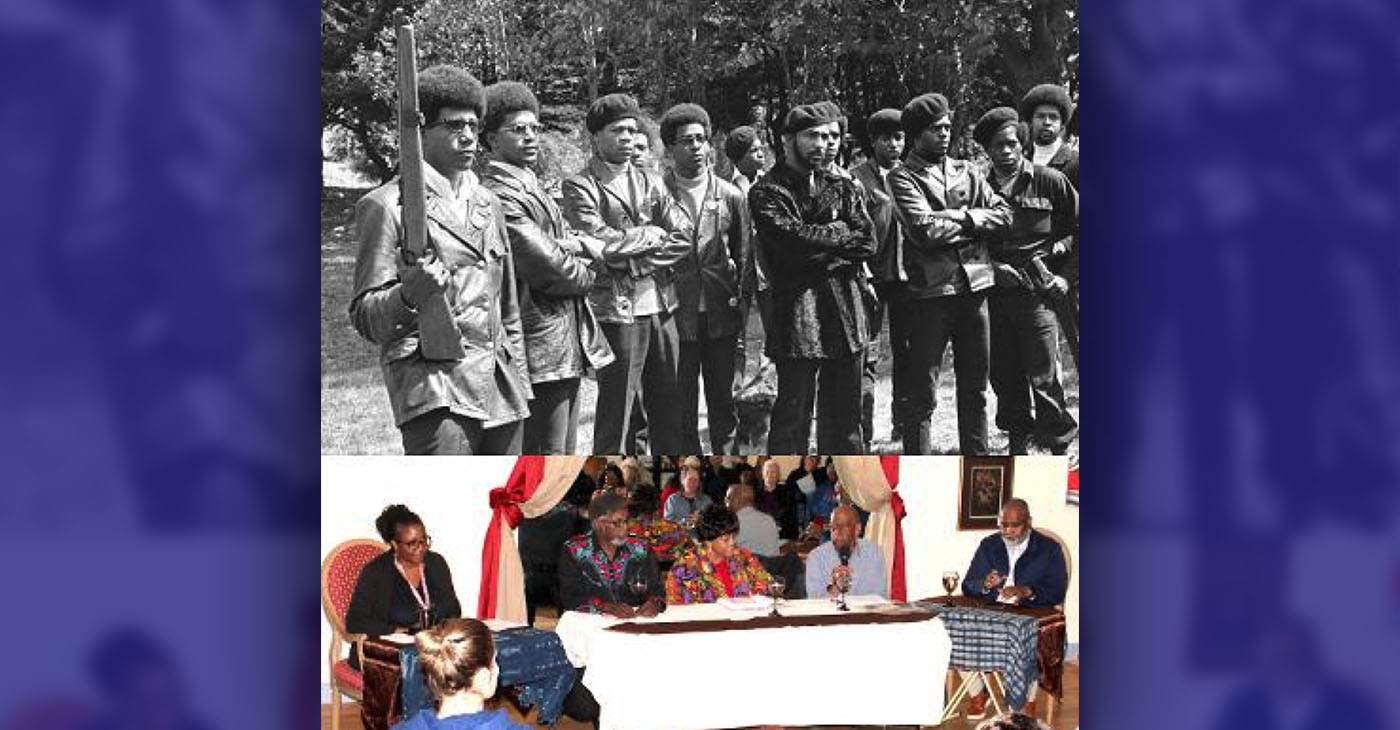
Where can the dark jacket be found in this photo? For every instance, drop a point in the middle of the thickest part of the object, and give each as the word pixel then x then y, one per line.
pixel 887 264
pixel 492 383
pixel 947 211
pixel 811 240
pixel 1041 567
pixel 562 337
pixel 785 505
pixel 1044 221
pixel 382 599
pixel 588 580
pixel 1065 160
pixel 640 239
pixel 710 270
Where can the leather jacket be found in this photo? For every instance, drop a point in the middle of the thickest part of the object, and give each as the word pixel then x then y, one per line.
pixel 710 270
pixel 562 337
pixel 492 382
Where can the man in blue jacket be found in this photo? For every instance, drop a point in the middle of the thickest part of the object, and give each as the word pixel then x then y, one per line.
pixel 1020 566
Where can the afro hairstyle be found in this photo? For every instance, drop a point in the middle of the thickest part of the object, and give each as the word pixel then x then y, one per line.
pixel 449 87
pixel 680 115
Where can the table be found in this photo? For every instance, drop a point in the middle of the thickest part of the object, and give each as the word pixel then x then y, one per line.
pixel 879 664
pixel 531 660
pixel 1023 643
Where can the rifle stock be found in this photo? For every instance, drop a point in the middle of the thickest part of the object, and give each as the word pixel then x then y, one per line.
pixel 438 338
pixel 1062 306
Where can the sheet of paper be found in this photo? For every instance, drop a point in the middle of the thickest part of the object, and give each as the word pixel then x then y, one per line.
pixel 807 484
pixel 399 638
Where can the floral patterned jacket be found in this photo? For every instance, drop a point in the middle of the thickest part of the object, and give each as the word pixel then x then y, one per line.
pixel 666 538
pixel 589 579
pixel 692 579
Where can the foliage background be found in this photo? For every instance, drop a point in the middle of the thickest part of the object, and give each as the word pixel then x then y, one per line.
pixel 727 55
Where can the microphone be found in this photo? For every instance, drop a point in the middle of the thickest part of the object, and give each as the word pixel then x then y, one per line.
pixel 845 554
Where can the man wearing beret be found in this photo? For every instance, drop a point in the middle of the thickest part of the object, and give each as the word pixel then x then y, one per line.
pixel 1047 108
pixel 947 211
pixel 555 268
pixel 813 233
pixel 634 294
pixel 1037 257
pixel 707 279
pixel 887 267
pixel 476 404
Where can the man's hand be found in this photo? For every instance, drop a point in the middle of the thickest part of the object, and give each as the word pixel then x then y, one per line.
pixel 1007 276
pixel 1018 593
pixel 1059 285
pixel 836 573
pixel 425 278
pixel 650 608
pixel 620 610
pixel 993 580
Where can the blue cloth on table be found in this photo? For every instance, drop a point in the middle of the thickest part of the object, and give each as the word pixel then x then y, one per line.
pixel 988 639
pixel 530 659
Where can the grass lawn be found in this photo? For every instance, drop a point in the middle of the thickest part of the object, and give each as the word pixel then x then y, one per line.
pixel 355 417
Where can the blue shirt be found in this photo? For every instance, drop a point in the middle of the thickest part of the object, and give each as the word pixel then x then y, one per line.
pixel 678 507
pixel 484 720
pixel 867 570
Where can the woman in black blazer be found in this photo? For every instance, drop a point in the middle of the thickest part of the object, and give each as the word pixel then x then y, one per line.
pixel 409 582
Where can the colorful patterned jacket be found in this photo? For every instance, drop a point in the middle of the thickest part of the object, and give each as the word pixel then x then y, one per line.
pixel 664 537
pixel 692 579
pixel 588 579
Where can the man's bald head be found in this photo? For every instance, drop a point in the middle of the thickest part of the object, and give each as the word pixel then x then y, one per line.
pixel 845 526
pixel 738 497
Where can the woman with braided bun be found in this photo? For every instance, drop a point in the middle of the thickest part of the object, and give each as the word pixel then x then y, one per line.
pixel 458 657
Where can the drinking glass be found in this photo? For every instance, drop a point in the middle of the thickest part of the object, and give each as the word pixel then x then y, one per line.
pixel 775 589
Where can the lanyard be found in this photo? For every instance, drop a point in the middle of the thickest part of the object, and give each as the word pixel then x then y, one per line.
pixel 423 601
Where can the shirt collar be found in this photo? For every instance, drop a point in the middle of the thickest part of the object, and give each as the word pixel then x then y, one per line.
pixel 438 183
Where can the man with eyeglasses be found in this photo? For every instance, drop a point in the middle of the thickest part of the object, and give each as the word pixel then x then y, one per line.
pixel 812 233
pixel 1018 565
pixel 476 404
pixel 555 268
pixel 707 280
pixel 634 294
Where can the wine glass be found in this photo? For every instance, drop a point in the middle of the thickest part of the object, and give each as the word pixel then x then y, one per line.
pixel 843 584
pixel 950 582
pixel 638 585
pixel 776 586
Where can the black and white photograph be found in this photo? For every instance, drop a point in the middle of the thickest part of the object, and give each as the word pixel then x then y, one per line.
pixel 570 227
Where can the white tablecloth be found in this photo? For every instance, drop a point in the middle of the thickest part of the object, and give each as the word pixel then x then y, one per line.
pixel 863 674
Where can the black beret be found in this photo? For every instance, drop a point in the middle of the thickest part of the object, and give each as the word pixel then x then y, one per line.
pixel 807 116
pixel 992 122
pixel 443 86
pixel 607 109
pixel 1052 94
pixel 505 98
pixel 883 123
pixel 739 141
pixel 922 111
pixel 680 115
pixel 835 110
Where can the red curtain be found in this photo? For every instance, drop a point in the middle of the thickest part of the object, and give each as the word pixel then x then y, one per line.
pixel 506 514
pixel 890 463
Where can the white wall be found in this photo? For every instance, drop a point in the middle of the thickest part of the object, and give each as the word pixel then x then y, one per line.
pixel 933 544
pixel 449 493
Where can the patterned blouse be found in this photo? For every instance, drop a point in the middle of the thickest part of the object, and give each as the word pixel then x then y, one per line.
pixel 589 579
pixel 694 579
pixel 665 537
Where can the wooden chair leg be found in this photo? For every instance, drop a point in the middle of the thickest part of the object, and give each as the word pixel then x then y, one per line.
pixel 335 707
pixel 1053 707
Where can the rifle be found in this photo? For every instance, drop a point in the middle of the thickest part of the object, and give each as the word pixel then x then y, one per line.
pixel 1060 303
pixel 438 337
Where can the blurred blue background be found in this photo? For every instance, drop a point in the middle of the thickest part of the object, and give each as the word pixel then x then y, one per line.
pixel 158 401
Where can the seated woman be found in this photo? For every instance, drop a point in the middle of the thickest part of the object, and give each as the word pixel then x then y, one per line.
pixel 459 659
pixel 715 568
pixel 398 588
pixel 664 537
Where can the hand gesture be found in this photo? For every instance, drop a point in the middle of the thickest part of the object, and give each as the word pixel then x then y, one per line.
pixel 620 610
pixel 1059 285
pixel 1017 593
pixel 650 608
pixel 993 580
pixel 422 279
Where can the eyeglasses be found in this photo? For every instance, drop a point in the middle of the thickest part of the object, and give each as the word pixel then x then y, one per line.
pixel 458 126
pixel 691 139
pixel 523 128
pixel 613 523
pixel 415 544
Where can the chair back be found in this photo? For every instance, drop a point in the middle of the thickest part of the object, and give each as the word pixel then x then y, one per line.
pixel 340 572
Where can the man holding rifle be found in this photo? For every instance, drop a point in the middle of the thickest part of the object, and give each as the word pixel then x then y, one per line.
pixel 447 318
pixel 1035 263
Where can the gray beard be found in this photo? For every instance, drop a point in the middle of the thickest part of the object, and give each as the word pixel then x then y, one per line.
pixel 1015 543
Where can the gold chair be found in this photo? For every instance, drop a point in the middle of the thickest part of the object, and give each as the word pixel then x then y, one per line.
pixel 340 571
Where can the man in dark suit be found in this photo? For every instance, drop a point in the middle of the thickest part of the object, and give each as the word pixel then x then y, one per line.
pixel 634 294
pixel 1020 566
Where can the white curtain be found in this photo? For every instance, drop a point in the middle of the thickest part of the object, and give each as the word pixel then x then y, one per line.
pixel 864 479
pixel 559 474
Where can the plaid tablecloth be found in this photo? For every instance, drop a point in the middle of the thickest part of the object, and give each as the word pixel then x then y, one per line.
pixel 530 659
pixel 1005 639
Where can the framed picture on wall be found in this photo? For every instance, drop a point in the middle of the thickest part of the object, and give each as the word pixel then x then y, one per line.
pixel 984 488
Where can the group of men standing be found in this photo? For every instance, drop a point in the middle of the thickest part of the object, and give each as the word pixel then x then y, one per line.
pixel 644 278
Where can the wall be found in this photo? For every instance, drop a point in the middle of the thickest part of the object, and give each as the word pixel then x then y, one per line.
pixel 449 493
pixel 933 544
